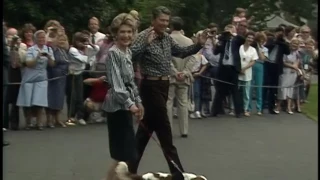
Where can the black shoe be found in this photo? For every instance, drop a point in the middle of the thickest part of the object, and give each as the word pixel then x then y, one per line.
pixel 184 135
pixel 5 143
pixel 238 115
pixel 204 115
pixel 271 111
pixel 14 128
pixel 214 114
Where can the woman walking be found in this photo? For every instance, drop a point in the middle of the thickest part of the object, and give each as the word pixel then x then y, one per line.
pixel 122 99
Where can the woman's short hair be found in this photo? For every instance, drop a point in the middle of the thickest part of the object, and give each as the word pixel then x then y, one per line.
pixel 78 37
pixel 35 35
pixel 260 36
pixel 288 29
pixel 53 23
pixel 26 28
pixel 122 19
pixel 310 41
pixel 295 40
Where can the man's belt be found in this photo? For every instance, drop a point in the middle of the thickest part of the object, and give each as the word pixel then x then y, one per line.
pixel 156 78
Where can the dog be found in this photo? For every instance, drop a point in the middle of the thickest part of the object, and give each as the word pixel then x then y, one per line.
pixel 123 173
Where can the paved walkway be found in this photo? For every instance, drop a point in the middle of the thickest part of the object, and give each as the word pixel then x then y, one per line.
pixel 271 147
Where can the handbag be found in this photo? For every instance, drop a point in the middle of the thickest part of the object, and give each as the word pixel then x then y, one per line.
pixel 191 105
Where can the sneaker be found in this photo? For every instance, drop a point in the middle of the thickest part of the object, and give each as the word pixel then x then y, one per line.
pixel 82 122
pixel 4 129
pixel 195 115
pixel 231 113
pixel 259 113
pixel 247 114
pixel 276 111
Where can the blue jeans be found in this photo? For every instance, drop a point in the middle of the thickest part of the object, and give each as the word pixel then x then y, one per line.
pixel 245 85
pixel 197 93
pixel 257 80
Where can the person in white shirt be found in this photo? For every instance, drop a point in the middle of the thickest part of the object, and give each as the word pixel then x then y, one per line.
pixel 248 56
pixel 77 63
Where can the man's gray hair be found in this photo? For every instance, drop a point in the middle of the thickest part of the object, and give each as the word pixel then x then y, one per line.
pixel 160 10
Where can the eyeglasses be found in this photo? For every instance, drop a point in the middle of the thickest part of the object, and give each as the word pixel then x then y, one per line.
pixel 243 25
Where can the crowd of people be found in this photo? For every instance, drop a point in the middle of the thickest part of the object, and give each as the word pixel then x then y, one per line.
pixel 124 73
pixel 240 64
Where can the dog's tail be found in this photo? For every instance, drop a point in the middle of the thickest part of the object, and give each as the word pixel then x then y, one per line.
pixel 123 173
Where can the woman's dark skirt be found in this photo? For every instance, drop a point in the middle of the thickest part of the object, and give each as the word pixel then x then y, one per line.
pixel 121 136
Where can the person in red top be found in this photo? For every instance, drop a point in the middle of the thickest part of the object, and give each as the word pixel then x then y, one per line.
pixel 97 95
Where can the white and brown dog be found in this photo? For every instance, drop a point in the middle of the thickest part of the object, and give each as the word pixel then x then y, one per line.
pixel 123 173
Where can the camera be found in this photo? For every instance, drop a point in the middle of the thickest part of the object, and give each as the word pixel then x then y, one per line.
pixel 15 38
pixel 44 54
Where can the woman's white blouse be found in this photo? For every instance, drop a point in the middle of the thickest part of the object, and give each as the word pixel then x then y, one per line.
pixel 246 57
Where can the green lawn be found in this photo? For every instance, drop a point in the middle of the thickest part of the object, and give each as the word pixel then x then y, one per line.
pixel 311 108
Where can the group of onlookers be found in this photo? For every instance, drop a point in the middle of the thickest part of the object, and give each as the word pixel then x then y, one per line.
pixel 39 55
pixel 246 64
pixel 273 67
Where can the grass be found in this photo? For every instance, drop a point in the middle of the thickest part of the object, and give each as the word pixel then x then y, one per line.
pixel 311 108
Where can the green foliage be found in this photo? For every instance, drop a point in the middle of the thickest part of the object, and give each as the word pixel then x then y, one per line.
pixel 74 14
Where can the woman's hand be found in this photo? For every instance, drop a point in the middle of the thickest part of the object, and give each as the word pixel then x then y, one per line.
pixel 141 111
pixel 134 110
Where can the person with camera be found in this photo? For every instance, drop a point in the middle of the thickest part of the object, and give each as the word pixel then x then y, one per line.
pixel 33 92
pixel 212 69
pixel 229 68
pixel 17 51
pixel 277 47
pixel 79 58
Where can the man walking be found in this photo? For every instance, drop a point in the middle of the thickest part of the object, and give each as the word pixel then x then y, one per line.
pixel 155 48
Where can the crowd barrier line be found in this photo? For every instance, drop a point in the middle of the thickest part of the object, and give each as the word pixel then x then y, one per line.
pixel 206 77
